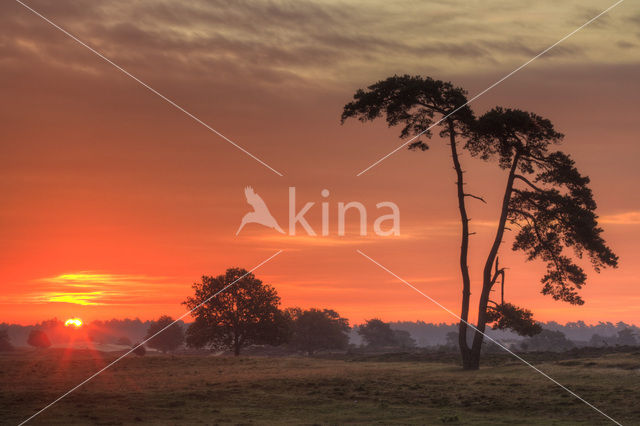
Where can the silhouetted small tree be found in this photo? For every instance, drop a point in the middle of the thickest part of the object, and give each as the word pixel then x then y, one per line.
pixel 403 339
pixel 377 333
pixel 5 342
pixel 169 339
pixel 237 310
pixel 626 337
pixel 139 350
pixel 38 339
pixel 548 340
pixel 598 341
pixel 314 329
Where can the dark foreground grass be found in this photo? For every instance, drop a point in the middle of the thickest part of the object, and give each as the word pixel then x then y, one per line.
pixel 191 389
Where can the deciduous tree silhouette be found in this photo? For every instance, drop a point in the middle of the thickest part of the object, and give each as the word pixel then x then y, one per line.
pixel 314 329
pixel 403 339
pixel 169 339
pixel 377 333
pixel 246 313
pixel 38 339
pixel 548 340
pixel 626 337
pixel 545 196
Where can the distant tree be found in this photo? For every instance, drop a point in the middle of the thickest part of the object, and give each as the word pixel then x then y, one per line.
pixel 124 341
pixel 598 340
pixel 139 350
pixel 548 340
pixel 38 338
pixel 403 339
pixel 169 339
pixel 237 310
pixel 452 339
pixel 377 333
pixel 626 337
pixel 314 329
pixel 5 342
pixel 546 200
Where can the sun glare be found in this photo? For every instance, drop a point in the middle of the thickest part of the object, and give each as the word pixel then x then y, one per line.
pixel 73 322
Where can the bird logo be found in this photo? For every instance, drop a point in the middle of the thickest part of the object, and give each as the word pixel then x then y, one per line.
pixel 260 213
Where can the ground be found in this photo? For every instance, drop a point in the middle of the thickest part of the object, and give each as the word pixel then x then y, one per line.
pixel 203 389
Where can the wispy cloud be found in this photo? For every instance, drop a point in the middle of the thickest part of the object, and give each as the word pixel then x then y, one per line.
pixel 626 218
pixel 91 288
pixel 309 42
pixel 85 299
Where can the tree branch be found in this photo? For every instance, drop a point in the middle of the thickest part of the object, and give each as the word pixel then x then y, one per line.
pixel 544 242
pixel 476 197
pixel 528 182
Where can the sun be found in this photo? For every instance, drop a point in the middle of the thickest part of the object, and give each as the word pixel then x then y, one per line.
pixel 73 322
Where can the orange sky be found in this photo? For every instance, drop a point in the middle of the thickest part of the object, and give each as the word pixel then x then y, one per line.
pixel 117 202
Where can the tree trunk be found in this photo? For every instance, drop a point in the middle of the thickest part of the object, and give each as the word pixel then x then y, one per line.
pixel 464 248
pixel 472 361
pixel 236 345
pixel 487 279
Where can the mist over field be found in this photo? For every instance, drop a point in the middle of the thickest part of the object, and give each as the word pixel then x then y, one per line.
pixel 425 334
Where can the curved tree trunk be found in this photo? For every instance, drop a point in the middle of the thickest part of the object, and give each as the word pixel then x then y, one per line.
pixel 464 250
pixel 488 280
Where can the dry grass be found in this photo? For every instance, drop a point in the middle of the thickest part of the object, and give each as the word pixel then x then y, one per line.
pixel 220 390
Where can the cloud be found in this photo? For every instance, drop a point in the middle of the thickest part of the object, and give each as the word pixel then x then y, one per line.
pixel 91 288
pixel 275 44
pixel 85 299
pixel 626 218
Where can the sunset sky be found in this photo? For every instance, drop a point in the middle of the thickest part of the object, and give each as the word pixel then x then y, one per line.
pixel 114 202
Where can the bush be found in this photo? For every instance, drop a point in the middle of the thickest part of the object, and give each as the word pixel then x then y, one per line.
pixel 167 340
pixel 39 339
pixel 314 329
pixel 5 342
pixel 140 350
pixel 379 334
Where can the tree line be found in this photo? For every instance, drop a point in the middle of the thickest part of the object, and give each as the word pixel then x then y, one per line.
pixel 248 313
pixel 236 310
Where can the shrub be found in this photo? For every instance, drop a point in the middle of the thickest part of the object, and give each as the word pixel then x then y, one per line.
pixel 39 339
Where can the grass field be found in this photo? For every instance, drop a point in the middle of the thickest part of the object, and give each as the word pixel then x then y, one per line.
pixel 195 389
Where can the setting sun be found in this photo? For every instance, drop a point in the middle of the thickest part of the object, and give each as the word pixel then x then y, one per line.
pixel 73 322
